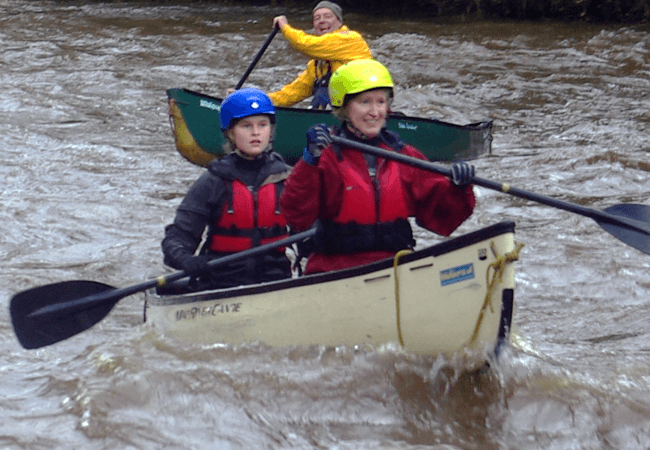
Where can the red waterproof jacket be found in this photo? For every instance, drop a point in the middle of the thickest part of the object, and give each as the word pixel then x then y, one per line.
pixel 327 191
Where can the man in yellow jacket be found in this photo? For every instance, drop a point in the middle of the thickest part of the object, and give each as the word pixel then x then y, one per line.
pixel 332 45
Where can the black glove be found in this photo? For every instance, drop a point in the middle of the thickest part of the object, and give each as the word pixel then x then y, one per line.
pixel 462 173
pixel 195 265
pixel 318 138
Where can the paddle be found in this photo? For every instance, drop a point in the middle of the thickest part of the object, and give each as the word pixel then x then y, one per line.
pixel 627 222
pixel 48 314
pixel 257 57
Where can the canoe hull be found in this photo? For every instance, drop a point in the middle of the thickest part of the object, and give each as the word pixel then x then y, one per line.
pixel 194 119
pixel 433 301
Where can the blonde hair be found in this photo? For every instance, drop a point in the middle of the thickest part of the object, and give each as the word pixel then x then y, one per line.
pixel 228 146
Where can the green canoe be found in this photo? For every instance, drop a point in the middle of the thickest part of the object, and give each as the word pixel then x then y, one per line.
pixel 194 118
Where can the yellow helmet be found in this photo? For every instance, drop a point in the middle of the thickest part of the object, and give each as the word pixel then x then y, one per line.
pixel 358 76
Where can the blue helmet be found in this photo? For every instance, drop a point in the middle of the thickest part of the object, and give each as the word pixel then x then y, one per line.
pixel 243 103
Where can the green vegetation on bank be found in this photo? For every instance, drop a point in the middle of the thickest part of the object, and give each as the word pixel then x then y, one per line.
pixel 603 11
pixel 596 11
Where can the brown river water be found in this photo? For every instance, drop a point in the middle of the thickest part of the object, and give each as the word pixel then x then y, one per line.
pixel 90 177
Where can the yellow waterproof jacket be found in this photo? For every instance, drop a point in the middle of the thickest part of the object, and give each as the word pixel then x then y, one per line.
pixel 328 53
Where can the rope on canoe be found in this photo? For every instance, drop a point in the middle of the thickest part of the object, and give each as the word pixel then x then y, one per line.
pixel 396 258
pixel 499 267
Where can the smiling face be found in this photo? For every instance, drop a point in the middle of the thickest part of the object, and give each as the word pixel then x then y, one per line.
pixel 251 135
pixel 368 111
pixel 325 21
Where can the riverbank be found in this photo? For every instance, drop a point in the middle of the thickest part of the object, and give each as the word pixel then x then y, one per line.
pixel 595 11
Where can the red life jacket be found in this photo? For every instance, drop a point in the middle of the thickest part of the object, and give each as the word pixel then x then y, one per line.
pixel 248 219
pixel 374 212
pixel 364 203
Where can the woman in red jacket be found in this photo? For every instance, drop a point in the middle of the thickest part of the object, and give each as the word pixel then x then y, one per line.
pixel 361 203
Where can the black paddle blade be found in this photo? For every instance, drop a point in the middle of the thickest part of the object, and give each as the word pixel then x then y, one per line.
pixel 632 237
pixel 46 329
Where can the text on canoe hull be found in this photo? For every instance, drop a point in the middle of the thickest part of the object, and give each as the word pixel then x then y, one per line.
pixel 210 310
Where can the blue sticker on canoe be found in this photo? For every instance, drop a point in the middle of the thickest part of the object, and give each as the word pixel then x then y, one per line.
pixel 456 274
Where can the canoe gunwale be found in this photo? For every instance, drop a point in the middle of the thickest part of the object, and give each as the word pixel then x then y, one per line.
pixel 434 250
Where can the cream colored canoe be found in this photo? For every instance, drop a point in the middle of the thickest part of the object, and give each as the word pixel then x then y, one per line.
pixel 449 297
